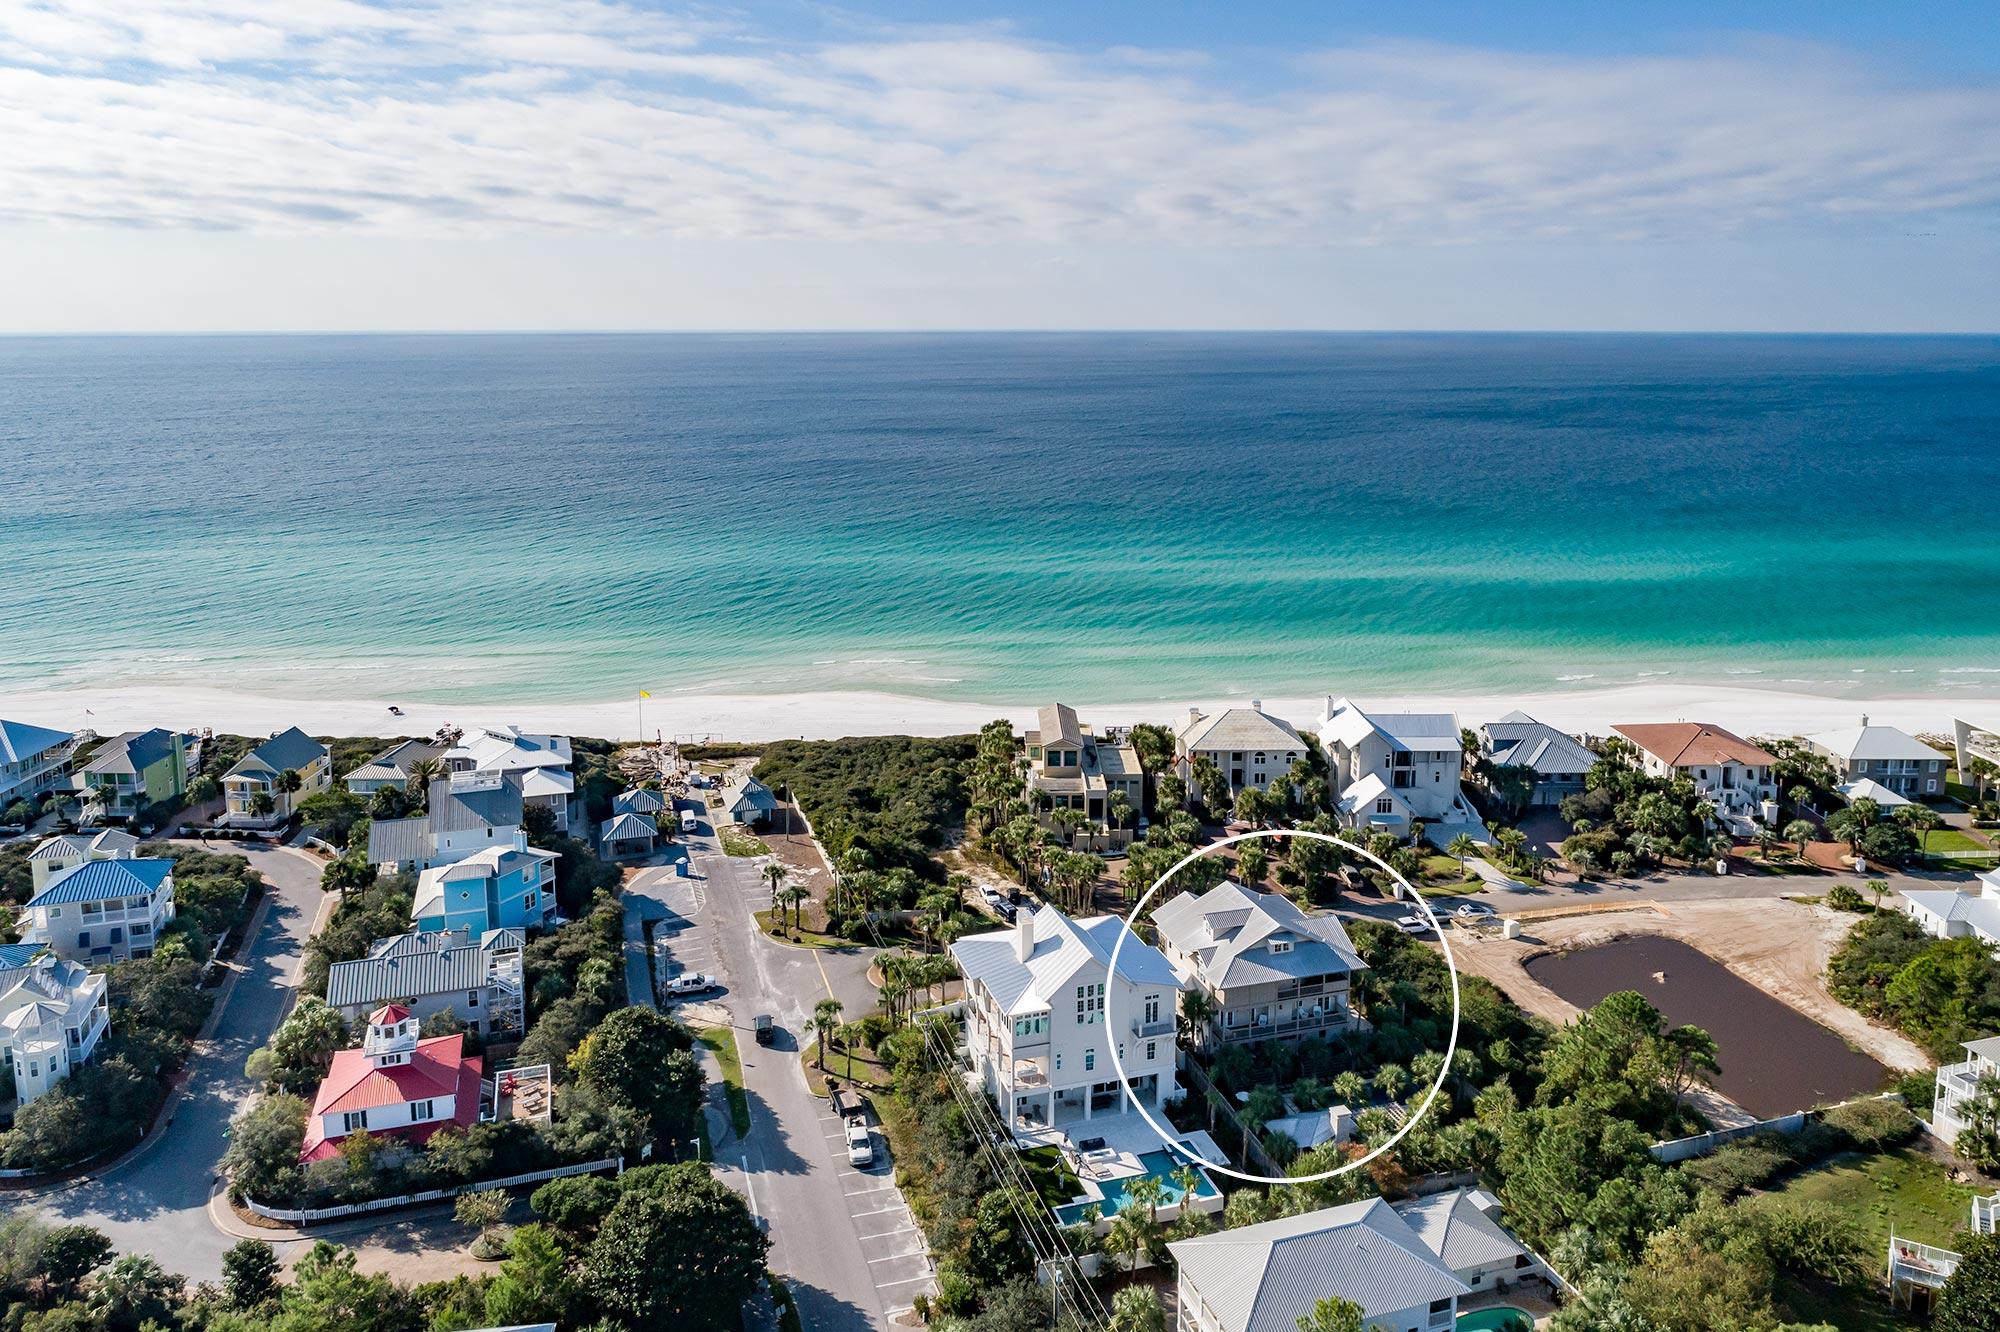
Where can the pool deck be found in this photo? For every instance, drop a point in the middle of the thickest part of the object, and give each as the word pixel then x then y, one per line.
pixel 1529 1297
pixel 1127 1138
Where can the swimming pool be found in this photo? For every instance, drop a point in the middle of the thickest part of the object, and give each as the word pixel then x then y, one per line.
pixel 1499 1318
pixel 1161 1166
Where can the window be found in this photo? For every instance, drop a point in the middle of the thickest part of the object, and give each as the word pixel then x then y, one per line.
pixel 1089 1060
pixel 1089 1004
pixel 1385 805
pixel 354 1121
pixel 419 1111
pixel 1152 1008
pixel 1059 1061
pixel 1152 1051
pixel 1281 945
pixel 472 998
pixel 1036 1025
pixel 83 938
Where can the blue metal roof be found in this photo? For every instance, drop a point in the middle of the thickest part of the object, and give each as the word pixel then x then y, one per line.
pixel 20 741
pixel 95 880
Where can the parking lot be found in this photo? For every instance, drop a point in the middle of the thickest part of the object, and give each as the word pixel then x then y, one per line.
pixel 891 1243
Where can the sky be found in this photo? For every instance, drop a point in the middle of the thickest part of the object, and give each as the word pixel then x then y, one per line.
pixel 613 164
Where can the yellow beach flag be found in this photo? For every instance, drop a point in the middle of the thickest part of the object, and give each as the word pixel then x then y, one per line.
pixel 644 694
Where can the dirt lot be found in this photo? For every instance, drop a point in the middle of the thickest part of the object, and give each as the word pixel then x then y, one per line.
pixel 1780 947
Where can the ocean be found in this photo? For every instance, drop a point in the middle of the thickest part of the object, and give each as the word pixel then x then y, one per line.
pixel 1108 517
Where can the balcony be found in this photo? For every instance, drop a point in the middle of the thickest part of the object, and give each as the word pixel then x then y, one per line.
pixel 1919 1264
pixel 1157 1027
pixel 1331 1020
pixel 1986 1215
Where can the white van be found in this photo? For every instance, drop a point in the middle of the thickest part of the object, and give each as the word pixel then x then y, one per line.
pixel 689 823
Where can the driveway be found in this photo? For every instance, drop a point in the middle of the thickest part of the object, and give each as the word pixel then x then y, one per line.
pixel 156 1201
pixel 843 1237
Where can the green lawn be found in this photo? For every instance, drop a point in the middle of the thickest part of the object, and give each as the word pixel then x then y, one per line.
pixel 803 938
pixel 1952 839
pixel 863 1069
pixel 1453 889
pixel 1905 1190
pixel 722 1041
pixel 1054 1180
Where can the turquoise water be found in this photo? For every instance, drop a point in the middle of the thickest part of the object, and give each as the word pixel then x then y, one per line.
pixel 1099 517
pixel 1161 1166
pixel 1499 1318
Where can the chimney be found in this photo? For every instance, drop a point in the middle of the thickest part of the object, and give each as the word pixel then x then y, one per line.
pixel 1194 715
pixel 1024 933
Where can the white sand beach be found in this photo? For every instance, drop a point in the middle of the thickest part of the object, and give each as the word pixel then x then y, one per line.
pixel 822 715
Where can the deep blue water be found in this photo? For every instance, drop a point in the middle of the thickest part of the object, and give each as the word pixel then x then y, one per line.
pixel 1001 517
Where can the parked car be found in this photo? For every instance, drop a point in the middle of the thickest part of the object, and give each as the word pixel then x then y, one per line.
pixel 860 1147
pixel 693 982
pixel 1474 911
pixel 1413 924
pixel 767 1031
pixel 689 823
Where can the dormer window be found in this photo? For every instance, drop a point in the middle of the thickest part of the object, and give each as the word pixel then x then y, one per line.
pixel 1281 945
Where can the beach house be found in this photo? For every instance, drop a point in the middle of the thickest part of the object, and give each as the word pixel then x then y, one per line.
pixel 34 760
pixel 1881 756
pixel 53 1013
pixel 1248 746
pixel 1553 762
pixel 639 800
pixel 103 910
pixel 476 979
pixel 1266 1277
pixel 1040 1007
pixel 396 1084
pixel 466 812
pixel 540 761
pixel 130 771
pixel 257 793
pixel 1268 970
pixel 499 888
pixel 1946 913
pixel 55 856
pixel 391 767
pixel 1958 1083
pixel 1071 767
pixel 1392 770
pixel 1730 772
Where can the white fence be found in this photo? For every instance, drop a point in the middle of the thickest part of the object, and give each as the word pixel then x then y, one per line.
pixel 308 1215
pixel 1701 1144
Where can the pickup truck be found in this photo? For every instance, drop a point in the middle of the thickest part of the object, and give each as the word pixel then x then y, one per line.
pixel 692 982
pixel 766 1030
pixel 860 1147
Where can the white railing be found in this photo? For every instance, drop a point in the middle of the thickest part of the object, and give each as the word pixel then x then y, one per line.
pixel 1920 1264
pixel 1986 1215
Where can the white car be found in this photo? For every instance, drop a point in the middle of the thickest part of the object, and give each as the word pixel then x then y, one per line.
pixel 1474 910
pixel 1413 925
pixel 693 982
pixel 860 1147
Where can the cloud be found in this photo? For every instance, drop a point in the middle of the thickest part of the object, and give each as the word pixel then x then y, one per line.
pixel 456 117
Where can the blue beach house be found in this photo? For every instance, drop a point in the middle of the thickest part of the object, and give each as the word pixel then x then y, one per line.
pixel 499 888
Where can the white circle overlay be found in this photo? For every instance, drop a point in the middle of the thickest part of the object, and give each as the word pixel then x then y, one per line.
pixel 1118 1064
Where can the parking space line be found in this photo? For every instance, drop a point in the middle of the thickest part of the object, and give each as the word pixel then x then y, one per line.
pixel 877 1212
pixel 885 1234
pixel 906 1281
pixel 890 1258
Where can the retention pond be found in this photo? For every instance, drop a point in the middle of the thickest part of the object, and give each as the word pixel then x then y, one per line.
pixel 1774 1059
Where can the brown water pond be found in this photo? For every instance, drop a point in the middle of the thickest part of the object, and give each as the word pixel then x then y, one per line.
pixel 1774 1059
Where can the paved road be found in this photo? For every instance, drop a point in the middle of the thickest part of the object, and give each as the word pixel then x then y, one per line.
pixel 843 1236
pixel 156 1202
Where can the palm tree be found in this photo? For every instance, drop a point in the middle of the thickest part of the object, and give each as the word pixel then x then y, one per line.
pixel 1195 1011
pixel 422 773
pixel 1464 848
pixel 1799 832
pixel 934 912
pixel 289 780
pixel 795 896
pixel 1118 808
pixel 1136 1308
pixel 775 875
pixel 825 1022
pixel 1766 840
pixel 1983 772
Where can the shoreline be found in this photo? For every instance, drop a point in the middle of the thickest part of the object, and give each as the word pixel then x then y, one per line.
pixel 833 713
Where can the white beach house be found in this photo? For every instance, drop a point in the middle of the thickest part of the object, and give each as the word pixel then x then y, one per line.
pixel 1269 970
pixel 1039 1010
pixel 391 767
pixel 1248 746
pixel 1945 913
pixel 1730 772
pixel 1881 756
pixel 541 762
pixel 34 760
pixel 103 910
pixel 1072 767
pixel 1390 770
pixel 1959 1083
pixel 53 1013
pixel 476 979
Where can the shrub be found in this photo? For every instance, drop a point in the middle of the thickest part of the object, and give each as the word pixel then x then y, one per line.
pixel 1843 898
pixel 1873 1126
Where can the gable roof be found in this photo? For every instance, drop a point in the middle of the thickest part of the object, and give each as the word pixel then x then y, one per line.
pixel 1239 728
pixel 394 763
pixel 415 966
pixel 1348 723
pixel 21 741
pixel 289 748
pixel 1261 1278
pixel 1453 1226
pixel 1062 947
pixel 638 800
pixel 1227 931
pixel 438 1069
pixel 744 789
pixel 1519 741
pixel 1981 914
pixel 1872 743
pixel 96 880
pixel 1678 744
pixel 1870 789
pixel 131 752
pixel 1056 724
pixel 105 842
